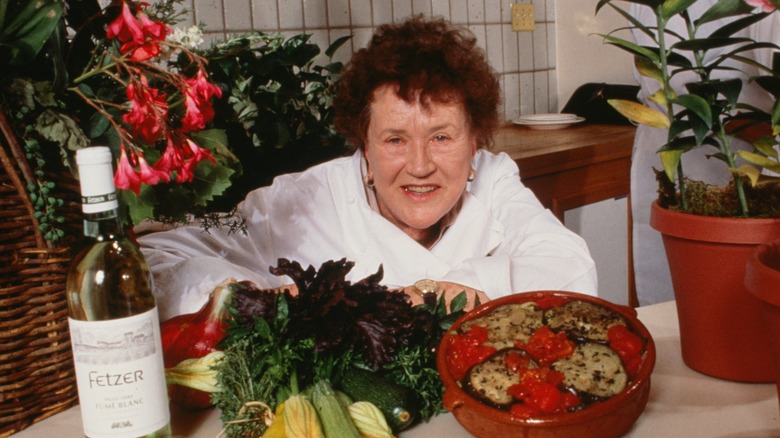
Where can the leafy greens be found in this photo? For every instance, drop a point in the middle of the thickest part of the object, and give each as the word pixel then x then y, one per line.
pixel 280 343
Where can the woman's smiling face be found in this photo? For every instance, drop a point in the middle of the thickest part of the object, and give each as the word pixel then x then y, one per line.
pixel 419 156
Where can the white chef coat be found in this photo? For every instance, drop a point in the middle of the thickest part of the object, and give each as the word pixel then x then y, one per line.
pixel 502 240
pixel 653 281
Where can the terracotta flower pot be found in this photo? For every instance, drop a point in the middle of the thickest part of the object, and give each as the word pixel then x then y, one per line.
pixel 720 331
pixel 762 279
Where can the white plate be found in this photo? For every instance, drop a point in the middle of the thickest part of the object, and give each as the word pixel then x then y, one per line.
pixel 548 124
pixel 550 117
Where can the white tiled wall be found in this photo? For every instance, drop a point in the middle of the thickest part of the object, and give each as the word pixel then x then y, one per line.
pixel 524 60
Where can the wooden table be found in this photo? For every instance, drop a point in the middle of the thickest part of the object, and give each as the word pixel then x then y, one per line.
pixel 573 167
pixel 683 402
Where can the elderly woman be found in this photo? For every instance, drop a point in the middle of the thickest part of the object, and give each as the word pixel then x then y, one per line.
pixel 421 196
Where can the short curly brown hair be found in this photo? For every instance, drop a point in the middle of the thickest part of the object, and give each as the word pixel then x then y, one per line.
pixel 427 59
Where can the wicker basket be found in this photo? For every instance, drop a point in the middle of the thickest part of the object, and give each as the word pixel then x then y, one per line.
pixel 37 378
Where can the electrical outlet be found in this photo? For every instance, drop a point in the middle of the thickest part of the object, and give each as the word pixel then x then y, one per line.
pixel 522 17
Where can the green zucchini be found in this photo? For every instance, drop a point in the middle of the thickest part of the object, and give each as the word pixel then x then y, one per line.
pixel 397 403
pixel 335 419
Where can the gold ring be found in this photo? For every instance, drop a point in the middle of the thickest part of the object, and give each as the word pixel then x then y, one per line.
pixel 426 287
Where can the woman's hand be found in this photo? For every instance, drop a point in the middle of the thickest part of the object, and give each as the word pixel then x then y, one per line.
pixel 292 288
pixel 450 291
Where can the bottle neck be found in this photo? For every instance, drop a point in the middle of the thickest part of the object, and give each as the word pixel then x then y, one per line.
pixel 99 198
pixel 103 225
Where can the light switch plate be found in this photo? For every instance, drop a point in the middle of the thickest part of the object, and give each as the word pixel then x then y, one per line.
pixel 522 17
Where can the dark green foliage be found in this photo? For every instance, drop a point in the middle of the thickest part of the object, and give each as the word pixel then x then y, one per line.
pixel 276 107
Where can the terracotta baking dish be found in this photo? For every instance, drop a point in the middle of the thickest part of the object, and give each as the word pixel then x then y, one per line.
pixel 611 418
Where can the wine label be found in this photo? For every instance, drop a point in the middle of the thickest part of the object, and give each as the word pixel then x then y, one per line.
pixel 120 375
pixel 99 202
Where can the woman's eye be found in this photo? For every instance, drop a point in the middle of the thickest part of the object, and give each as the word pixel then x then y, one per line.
pixel 394 140
pixel 440 138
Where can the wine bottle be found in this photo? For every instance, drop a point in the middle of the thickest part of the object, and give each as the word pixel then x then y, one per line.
pixel 112 314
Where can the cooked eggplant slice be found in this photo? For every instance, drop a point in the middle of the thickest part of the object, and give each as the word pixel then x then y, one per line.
pixel 508 324
pixel 594 369
pixel 583 321
pixel 490 380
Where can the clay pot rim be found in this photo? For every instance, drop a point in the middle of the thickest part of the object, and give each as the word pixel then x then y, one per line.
pixel 758 273
pixel 456 397
pixel 752 231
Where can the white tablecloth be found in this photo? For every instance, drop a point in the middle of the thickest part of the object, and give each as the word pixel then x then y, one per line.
pixel 683 403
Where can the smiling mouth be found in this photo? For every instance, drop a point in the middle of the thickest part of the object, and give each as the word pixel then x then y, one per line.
pixel 419 189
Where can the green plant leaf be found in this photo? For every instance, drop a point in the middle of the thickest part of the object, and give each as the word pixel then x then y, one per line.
pixel 27 32
pixel 683 144
pixel 217 180
pixel 757 159
pixel 139 207
pixel 750 172
pixel 658 97
pixel 775 117
pixel 331 50
pixel 640 113
pixel 98 124
pixel 730 89
pixel 637 50
pixel 724 9
pixel 670 8
pixel 766 147
pixel 631 19
pixel 700 129
pixel 669 161
pixel 735 26
pixel 652 4
pixel 3 11
pixel 675 59
pixel 697 105
pixel 61 129
pixel 705 44
pixel 645 67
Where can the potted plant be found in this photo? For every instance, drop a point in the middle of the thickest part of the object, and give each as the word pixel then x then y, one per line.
pixel 195 115
pixel 75 74
pixel 114 76
pixel 718 329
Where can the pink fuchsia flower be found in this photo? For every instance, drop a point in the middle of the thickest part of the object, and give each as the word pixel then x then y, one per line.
pixel 197 114
pixel 149 175
pixel 155 30
pixel 148 111
pixel 198 94
pixel 126 177
pixel 171 158
pixel 126 27
pixel 140 35
pixel 200 153
pixel 143 52
pixel 182 156
pixel 765 5
pixel 202 88
pixel 186 172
